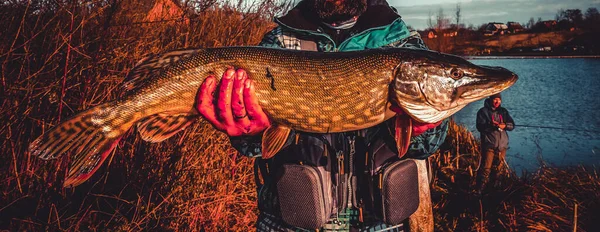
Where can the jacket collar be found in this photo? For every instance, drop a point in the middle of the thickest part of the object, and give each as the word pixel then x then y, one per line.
pixel 301 17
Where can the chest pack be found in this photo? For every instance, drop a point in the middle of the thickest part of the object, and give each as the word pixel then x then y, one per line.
pixel 317 178
pixel 312 181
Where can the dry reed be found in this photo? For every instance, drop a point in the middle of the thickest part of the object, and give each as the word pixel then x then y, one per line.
pixel 59 58
pixel 544 200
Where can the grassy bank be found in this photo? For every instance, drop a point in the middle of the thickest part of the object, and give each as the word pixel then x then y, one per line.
pixel 549 199
pixel 58 59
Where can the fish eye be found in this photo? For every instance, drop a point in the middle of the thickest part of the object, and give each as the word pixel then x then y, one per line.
pixel 456 73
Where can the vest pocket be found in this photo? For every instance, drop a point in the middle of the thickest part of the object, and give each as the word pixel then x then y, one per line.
pixel 396 191
pixel 305 196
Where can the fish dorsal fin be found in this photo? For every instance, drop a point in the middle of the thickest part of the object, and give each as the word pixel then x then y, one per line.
pixel 273 140
pixel 403 128
pixel 158 127
pixel 153 66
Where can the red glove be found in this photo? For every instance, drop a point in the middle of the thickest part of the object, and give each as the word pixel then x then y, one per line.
pixel 417 127
pixel 237 111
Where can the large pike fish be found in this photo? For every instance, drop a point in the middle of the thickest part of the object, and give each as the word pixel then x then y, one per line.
pixel 299 90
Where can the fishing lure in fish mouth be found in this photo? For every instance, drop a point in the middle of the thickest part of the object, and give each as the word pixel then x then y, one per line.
pixel 299 90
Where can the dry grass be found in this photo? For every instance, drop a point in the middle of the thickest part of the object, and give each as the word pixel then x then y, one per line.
pixel 544 200
pixel 59 58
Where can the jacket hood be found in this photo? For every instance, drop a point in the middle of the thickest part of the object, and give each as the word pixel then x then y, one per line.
pixel 302 17
pixel 488 104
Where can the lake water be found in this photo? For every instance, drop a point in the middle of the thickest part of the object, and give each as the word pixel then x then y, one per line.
pixel 560 93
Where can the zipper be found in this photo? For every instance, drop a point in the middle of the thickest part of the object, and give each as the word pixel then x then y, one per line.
pixel 352 143
pixel 341 196
pixel 340 160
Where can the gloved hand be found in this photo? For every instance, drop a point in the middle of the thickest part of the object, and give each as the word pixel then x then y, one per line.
pixel 417 127
pixel 237 111
pixel 501 126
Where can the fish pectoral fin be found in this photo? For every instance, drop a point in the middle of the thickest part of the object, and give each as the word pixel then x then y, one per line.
pixel 403 128
pixel 273 140
pixel 158 127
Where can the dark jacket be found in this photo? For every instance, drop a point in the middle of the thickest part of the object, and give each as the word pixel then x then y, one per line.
pixel 491 136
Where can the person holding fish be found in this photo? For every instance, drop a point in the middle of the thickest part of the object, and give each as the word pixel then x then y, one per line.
pixel 493 122
pixel 349 166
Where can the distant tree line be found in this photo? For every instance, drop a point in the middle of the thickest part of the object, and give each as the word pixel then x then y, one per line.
pixel 567 20
pixel 564 20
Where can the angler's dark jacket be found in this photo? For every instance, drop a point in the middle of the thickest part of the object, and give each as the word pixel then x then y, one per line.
pixel 491 136
pixel 299 29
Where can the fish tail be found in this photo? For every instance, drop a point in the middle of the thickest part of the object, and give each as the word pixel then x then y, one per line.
pixel 91 135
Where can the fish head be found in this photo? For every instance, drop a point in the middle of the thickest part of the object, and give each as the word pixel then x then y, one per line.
pixel 432 86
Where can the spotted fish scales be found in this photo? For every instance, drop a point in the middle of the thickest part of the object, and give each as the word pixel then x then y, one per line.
pixel 299 90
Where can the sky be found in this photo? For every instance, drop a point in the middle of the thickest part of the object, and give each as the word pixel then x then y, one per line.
pixel 477 12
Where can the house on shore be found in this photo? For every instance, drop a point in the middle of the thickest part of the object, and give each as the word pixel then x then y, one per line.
pixel 166 10
pixel 450 33
pixel 429 33
pixel 514 27
pixel 495 28
pixel 432 33
pixel 550 24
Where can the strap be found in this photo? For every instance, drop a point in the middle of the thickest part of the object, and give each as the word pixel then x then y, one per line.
pixel 308 45
pixel 257 172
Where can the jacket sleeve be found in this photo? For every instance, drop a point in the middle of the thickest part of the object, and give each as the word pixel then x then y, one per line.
pixel 251 145
pixel 271 39
pixel 413 41
pixel 424 145
pixel 510 123
pixel 483 122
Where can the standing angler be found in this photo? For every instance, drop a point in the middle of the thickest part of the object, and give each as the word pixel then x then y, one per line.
pixel 493 121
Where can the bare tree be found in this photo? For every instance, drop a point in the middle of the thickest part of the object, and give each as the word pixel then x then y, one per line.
pixel 442 22
pixel 457 15
pixel 559 14
pixel 531 23
pixel 430 20
pixel 592 18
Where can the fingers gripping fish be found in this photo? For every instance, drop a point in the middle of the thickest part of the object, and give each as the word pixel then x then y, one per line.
pixel 299 90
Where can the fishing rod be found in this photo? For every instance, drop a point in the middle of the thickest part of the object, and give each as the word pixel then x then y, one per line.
pixel 558 128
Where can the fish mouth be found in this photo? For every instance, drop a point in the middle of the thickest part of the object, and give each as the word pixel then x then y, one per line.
pixel 491 81
pixel 499 74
